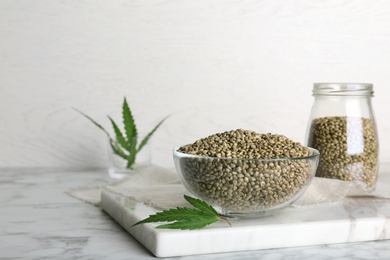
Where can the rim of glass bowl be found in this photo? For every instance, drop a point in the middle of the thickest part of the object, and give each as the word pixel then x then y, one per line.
pixel 316 153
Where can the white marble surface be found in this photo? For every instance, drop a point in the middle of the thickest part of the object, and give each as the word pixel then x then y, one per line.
pixel 352 220
pixel 39 220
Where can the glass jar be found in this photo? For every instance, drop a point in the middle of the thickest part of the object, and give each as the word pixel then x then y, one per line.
pixel 342 128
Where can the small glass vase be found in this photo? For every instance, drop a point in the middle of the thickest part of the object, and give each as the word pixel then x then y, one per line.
pixel 118 166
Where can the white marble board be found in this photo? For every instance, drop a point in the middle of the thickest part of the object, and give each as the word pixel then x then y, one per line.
pixel 352 220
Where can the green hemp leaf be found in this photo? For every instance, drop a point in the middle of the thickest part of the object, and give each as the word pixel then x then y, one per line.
pixel 186 218
pixel 125 142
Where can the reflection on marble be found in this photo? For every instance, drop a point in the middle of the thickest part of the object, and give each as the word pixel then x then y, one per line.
pixel 39 220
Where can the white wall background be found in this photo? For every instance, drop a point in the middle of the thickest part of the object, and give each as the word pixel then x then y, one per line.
pixel 214 65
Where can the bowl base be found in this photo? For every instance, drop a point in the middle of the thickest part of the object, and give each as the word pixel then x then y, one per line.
pixel 247 214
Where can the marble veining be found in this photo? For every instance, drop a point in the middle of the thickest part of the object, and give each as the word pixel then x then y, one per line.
pixel 39 220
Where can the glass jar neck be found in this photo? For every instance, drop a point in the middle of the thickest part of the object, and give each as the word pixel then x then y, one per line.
pixel 343 90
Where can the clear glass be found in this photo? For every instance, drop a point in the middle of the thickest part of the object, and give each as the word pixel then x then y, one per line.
pixel 118 166
pixel 246 187
pixel 343 129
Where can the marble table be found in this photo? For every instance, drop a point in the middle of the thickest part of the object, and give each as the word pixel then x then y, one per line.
pixel 39 220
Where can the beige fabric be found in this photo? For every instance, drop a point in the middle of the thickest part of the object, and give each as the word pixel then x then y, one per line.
pixel 155 186
pixel 161 188
pixel 323 191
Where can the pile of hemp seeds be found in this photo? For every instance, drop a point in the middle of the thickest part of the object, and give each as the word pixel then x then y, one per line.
pixel 229 174
pixel 348 148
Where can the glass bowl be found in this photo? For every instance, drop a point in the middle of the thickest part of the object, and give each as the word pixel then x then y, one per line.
pixel 246 187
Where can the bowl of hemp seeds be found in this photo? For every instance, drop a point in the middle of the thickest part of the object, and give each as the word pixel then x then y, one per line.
pixel 242 173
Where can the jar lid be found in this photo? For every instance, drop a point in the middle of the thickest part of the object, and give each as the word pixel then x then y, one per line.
pixel 343 89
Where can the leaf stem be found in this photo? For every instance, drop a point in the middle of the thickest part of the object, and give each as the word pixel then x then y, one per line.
pixel 225 220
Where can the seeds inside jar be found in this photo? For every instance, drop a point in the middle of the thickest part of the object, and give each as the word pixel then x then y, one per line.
pixel 348 148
